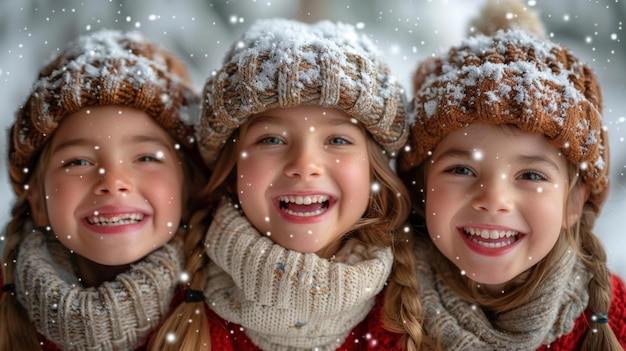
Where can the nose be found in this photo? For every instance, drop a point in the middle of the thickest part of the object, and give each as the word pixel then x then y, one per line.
pixel 493 196
pixel 304 161
pixel 114 179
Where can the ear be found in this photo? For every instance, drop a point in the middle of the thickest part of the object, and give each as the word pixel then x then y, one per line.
pixel 576 201
pixel 38 211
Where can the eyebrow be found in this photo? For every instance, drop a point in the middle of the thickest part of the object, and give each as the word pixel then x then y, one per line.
pixel 260 120
pixel 134 139
pixel 532 159
pixel 526 159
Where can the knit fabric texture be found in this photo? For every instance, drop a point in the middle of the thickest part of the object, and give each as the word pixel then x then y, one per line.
pixel 117 315
pixel 369 335
pixel 549 313
pixel 617 321
pixel 512 78
pixel 288 300
pixel 99 69
pixel 282 63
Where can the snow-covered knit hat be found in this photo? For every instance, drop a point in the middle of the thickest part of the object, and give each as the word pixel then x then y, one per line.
pixel 513 78
pixel 103 68
pixel 282 63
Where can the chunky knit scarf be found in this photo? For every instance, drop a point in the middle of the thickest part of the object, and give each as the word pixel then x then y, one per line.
pixel 284 299
pixel 117 315
pixel 549 313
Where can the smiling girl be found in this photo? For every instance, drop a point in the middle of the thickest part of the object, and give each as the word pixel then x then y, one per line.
pixel 507 163
pixel 299 125
pixel 101 157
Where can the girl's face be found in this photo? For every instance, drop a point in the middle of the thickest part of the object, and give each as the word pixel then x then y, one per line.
pixel 495 201
pixel 303 176
pixel 113 185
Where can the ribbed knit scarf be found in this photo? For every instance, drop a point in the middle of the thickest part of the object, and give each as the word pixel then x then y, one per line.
pixel 549 313
pixel 288 300
pixel 117 315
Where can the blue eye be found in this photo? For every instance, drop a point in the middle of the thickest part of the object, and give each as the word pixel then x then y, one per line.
pixel 148 158
pixel 336 141
pixel 533 176
pixel 76 163
pixel 460 170
pixel 271 140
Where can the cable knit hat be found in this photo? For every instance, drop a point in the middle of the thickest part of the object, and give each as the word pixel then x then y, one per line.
pixel 282 63
pixel 513 78
pixel 103 68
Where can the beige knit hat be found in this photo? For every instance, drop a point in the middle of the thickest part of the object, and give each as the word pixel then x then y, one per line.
pixel 283 63
pixel 103 68
pixel 513 78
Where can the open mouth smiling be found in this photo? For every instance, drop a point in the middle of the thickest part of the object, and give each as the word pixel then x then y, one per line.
pixel 304 206
pixel 491 238
pixel 121 219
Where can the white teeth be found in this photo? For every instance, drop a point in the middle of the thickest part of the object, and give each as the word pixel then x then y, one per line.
pixel 304 200
pixel 305 214
pixel 129 218
pixel 490 234
pixel 493 245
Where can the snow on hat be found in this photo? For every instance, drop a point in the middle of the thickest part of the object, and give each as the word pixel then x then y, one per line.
pixel 283 63
pixel 103 68
pixel 513 78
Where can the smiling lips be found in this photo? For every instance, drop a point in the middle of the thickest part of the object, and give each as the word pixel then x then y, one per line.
pixel 491 239
pixel 117 220
pixel 304 206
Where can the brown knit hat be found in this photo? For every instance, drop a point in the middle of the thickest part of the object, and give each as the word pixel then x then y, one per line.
pixel 283 63
pixel 513 78
pixel 103 68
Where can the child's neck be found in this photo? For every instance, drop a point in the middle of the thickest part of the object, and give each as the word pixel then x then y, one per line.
pixel 94 274
pixel 494 289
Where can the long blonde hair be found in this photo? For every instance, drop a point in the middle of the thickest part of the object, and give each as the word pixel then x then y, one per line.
pixel 382 225
pixel 579 237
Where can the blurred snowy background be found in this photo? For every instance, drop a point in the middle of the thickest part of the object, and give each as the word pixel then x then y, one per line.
pixel 200 32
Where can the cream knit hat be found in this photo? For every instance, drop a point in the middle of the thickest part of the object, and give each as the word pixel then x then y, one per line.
pixel 103 68
pixel 282 63
pixel 513 78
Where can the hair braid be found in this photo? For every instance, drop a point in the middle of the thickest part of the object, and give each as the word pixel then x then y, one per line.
pixel 16 330
pixel 600 335
pixel 402 310
pixel 187 327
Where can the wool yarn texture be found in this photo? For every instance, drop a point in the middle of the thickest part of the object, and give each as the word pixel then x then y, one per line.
pixel 107 67
pixel 283 63
pixel 512 78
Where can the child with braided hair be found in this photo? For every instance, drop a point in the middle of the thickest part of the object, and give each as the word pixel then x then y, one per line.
pixel 507 164
pixel 305 217
pixel 103 160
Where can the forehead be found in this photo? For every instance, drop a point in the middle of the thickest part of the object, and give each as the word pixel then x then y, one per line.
pixel 296 116
pixel 107 122
pixel 497 140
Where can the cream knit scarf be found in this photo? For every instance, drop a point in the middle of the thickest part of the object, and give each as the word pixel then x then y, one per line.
pixel 549 313
pixel 117 315
pixel 284 299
